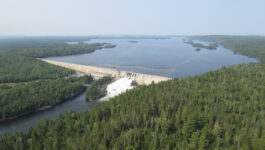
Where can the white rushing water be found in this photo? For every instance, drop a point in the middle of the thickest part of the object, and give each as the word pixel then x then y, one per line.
pixel 118 87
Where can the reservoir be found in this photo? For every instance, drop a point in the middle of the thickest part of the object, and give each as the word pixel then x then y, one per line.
pixel 164 57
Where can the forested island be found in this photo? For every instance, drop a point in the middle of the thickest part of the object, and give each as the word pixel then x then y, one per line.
pixel 221 109
pixel 252 46
pixel 133 41
pixel 98 88
pixel 198 46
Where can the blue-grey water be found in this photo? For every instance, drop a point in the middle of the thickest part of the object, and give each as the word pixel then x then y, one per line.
pixel 165 57
pixel 24 123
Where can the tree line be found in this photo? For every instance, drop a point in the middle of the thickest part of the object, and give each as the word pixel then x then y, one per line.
pixel 218 110
pixel 41 52
pixel 221 109
pixel 210 46
pixel 28 84
pixel 16 68
pixel 28 97
pixel 252 46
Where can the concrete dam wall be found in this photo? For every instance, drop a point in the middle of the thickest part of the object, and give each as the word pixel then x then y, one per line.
pixel 98 72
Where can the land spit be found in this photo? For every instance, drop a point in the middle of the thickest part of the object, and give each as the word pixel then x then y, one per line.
pixel 98 72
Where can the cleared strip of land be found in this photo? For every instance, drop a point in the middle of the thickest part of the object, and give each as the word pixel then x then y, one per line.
pixel 98 72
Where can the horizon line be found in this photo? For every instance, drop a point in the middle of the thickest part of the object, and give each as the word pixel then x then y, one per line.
pixel 123 35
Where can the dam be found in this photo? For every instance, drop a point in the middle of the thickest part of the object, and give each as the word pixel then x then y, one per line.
pixel 98 72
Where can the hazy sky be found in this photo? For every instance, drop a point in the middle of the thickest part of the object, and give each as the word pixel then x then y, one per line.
pixel 86 17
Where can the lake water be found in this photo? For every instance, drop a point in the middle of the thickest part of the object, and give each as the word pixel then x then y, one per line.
pixel 165 57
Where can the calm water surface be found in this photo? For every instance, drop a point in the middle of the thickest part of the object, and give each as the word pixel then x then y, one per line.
pixel 24 123
pixel 165 57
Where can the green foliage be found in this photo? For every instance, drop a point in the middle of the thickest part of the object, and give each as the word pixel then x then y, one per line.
pixel 221 109
pixel 253 46
pixel 39 47
pixel 19 43
pixel 43 84
pixel 200 45
pixel 98 88
pixel 31 96
pixel 16 68
pixel 17 63
pixel 41 52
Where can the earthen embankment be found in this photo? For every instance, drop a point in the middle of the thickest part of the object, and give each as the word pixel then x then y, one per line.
pixel 98 72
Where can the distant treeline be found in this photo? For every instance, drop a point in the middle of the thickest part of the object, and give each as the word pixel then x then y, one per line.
pixel 252 46
pixel 69 49
pixel 200 45
pixel 39 47
pixel 17 63
pixel 18 43
pixel 17 68
pixel 27 84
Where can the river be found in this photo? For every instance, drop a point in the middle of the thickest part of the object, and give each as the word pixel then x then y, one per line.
pixel 24 123
pixel 164 57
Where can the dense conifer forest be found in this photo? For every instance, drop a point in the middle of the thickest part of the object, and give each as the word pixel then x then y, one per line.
pixel 63 50
pixel 17 68
pixel 22 98
pixel 252 46
pixel 221 109
pixel 39 47
pixel 28 84
pixel 17 63
pixel 98 88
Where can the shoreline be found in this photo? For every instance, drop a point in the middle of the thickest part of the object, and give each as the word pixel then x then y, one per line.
pixel 43 108
pixel 96 72
pixel 99 72
pixel 26 113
